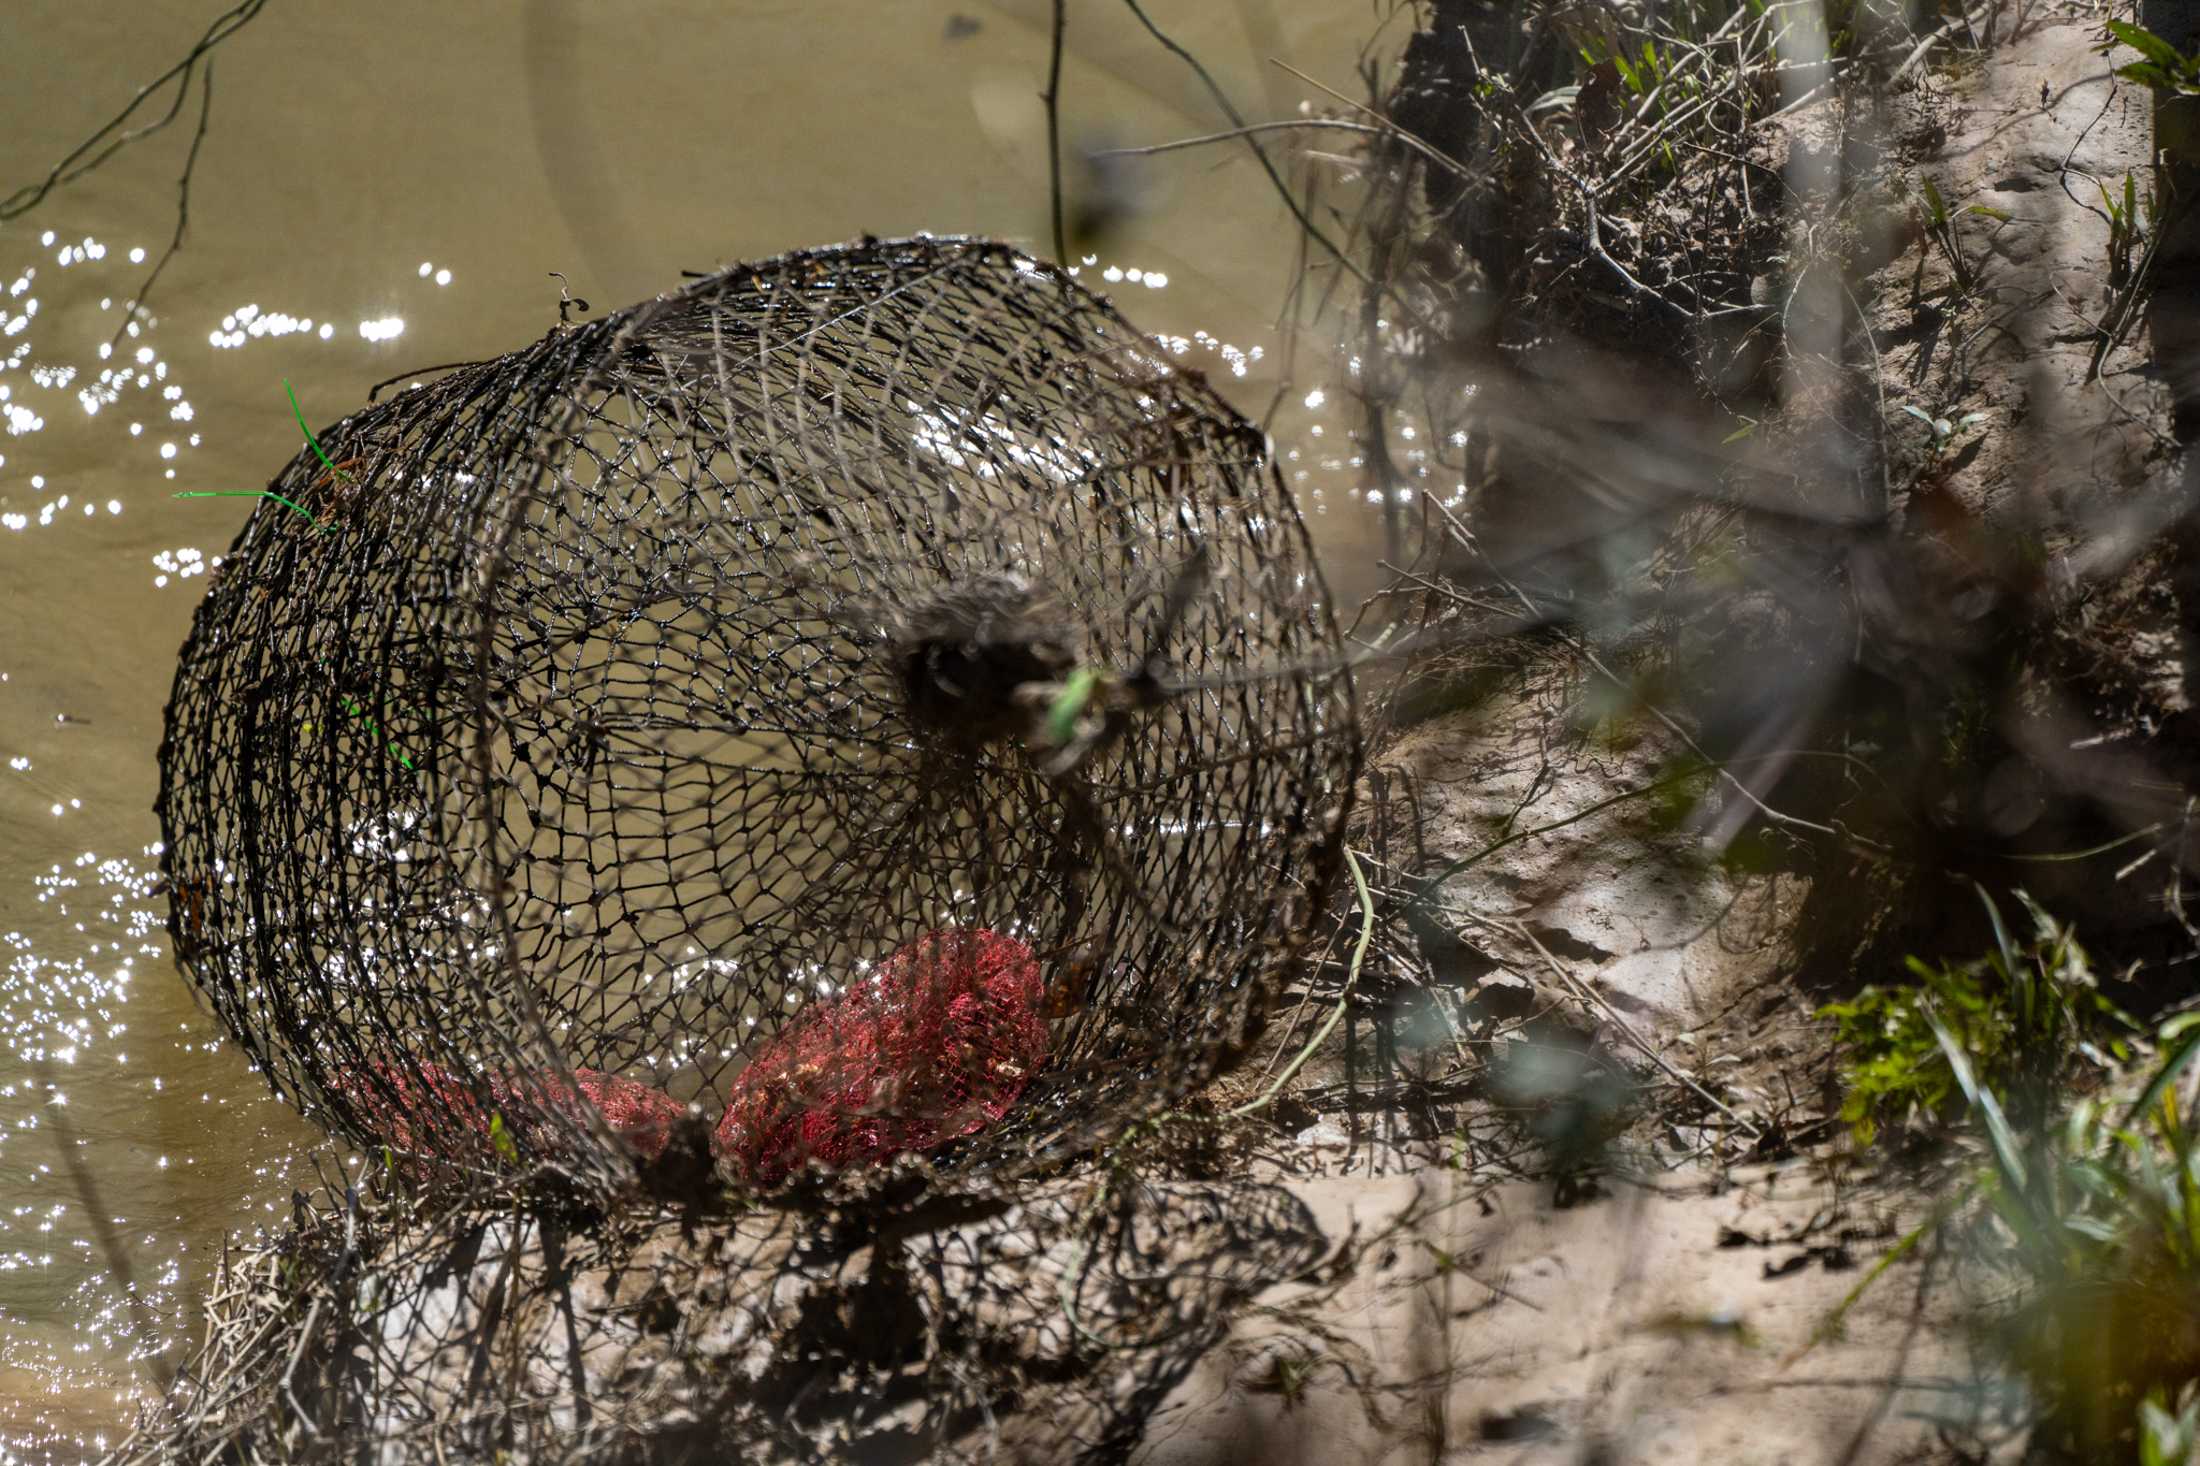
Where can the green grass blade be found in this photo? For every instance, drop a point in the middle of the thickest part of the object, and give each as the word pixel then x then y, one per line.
pixel 2188 1044
pixel 2146 43
pixel 2008 1156
pixel 1934 202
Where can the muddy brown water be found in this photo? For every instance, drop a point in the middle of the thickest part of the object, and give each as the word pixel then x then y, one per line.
pixel 384 187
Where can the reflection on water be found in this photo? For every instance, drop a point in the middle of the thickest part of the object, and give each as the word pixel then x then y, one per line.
pixel 108 1072
pixel 383 187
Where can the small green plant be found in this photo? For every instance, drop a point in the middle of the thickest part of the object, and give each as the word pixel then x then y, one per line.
pixel 1290 1371
pixel 2099 1221
pixel 1945 430
pixel 2094 1217
pixel 2124 229
pixel 2025 1017
pixel 2166 1438
pixel 2161 66
pixel 1939 224
pixel 1650 81
pixel 2132 246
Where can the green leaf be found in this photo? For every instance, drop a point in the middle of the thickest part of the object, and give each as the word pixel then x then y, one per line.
pixel 2002 942
pixel 2008 1157
pixel 1924 417
pixel 2015 970
pixel 501 1139
pixel 2188 1044
pixel 2147 44
pixel 1934 202
pixel 1069 705
pixel 2147 74
pixel 1988 211
pixel 2161 1438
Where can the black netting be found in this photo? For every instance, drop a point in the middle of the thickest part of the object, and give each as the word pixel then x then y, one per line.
pixel 1048 1330
pixel 717 666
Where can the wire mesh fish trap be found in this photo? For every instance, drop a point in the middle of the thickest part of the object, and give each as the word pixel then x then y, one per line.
pixel 866 702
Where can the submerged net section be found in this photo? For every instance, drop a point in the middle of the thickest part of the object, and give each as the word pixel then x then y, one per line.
pixel 866 702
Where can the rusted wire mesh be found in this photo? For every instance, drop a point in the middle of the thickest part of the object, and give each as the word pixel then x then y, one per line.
pixel 875 670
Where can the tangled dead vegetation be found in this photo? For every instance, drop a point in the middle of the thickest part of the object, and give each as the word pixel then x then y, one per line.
pixel 894 1325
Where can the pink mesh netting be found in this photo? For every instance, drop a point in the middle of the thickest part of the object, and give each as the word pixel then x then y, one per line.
pixel 640 1115
pixel 409 1112
pixel 935 1045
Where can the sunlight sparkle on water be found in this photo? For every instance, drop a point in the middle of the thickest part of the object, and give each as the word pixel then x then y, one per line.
pixel 250 323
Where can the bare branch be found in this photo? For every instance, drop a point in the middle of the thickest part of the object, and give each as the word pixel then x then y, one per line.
pixel 135 306
pixel 114 137
pixel 1237 119
pixel 76 164
pixel 1053 97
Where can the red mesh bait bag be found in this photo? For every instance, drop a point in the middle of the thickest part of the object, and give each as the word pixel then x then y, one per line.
pixel 639 1114
pixel 414 1114
pixel 428 1114
pixel 934 1045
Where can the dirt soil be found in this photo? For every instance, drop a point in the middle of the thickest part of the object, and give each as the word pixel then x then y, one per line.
pixel 2073 446
pixel 1656 1314
pixel 1673 1310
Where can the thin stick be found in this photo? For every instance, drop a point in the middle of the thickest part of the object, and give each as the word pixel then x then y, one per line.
pixel 110 1245
pixel 1583 990
pixel 1432 883
pixel 1329 944
pixel 136 306
pixel 1288 124
pixel 1052 95
pixel 1237 119
pixel 1933 39
pixel 69 169
pixel 1413 140
pixel 1351 981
